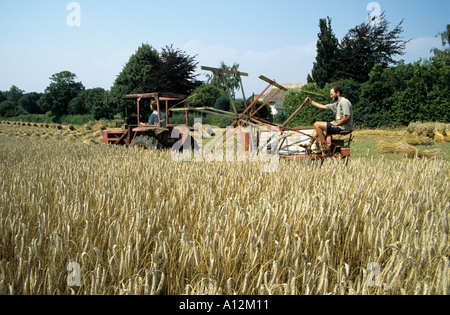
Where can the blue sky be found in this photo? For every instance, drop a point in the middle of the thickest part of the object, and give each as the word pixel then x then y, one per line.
pixel 272 38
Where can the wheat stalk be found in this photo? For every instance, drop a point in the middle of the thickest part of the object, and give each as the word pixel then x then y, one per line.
pixel 213 228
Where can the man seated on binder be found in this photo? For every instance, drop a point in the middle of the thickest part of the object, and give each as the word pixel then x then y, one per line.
pixel 343 121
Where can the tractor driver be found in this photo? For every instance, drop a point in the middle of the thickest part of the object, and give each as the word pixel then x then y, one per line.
pixel 154 119
pixel 344 118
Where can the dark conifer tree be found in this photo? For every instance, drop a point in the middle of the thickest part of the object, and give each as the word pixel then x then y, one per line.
pixel 324 67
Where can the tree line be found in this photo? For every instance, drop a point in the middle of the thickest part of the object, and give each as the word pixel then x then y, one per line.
pixel 170 71
pixel 384 92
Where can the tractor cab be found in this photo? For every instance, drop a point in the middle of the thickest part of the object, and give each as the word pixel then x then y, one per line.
pixel 138 132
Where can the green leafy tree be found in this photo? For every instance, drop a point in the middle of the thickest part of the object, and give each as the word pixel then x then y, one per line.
pixel 8 109
pixel 265 112
pixel 92 101
pixel 221 81
pixel 99 104
pixel 9 100
pixel 424 95
pixel 14 94
pixel 108 109
pixel 78 106
pixel 366 45
pixel 139 75
pixel 62 89
pixel 375 106
pixel 29 102
pixel 205 95
pixel 445 37
pixel 223 103
pixel 172 71
pixel 324 67
pixel 396 96
pixel 176 73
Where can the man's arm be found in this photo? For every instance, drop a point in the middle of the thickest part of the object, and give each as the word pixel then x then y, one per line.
pixel 343 121
pixel 318 105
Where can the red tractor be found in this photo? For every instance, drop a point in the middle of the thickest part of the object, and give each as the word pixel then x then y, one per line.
pixel 137 131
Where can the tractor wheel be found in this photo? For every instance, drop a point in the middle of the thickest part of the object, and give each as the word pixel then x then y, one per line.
pixel 146 142
pixel 193 144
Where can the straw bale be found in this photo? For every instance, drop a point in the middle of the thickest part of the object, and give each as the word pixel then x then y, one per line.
pixel 402 147
pixel 425 140
pixel 427 129
pixel 439 137
pixel 447 135
pixel 439 154
pixel 421 134
pixel 71 137
pixel 412 138
pixel 379 132
pixel 99 125
pixel 386 146
pixel 440 127
pixel 408 150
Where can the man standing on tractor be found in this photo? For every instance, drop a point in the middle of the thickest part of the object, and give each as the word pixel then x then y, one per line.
pixel 344 119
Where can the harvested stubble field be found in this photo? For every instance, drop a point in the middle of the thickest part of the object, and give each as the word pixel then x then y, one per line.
pixel 85 134
pixel 138 222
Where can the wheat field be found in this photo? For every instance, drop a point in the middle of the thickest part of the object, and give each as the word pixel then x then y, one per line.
pixel 138 222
